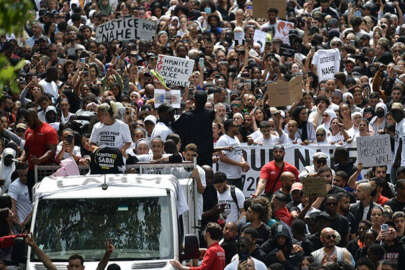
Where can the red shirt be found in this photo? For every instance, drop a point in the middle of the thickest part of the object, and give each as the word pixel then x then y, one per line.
pixel 36 141
pixel 382 200
pixel 270 172
pixel 284 215
pixel 214 259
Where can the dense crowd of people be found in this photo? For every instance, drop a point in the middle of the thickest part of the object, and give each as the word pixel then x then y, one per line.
pixel 80 101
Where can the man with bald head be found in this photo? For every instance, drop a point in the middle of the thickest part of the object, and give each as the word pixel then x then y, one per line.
pixel 230 241
pixel 287 179
pixel 330 253
pixel 361 210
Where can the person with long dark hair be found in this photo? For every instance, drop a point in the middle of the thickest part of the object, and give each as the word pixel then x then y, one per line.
pixel 306 130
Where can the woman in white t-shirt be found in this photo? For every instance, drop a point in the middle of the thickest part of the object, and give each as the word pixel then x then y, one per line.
pixel 110 132
pixel 338 134
pixel 67 148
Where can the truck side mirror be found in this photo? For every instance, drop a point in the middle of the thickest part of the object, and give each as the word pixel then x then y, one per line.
pixel 191 248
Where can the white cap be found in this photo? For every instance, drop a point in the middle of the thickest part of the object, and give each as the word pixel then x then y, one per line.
pixel 151 118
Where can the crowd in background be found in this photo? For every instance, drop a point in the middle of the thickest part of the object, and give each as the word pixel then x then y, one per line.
pixel 79 100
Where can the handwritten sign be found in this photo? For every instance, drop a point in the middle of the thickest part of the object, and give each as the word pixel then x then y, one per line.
pixel 283 93
pixel 175 70
pixel 314 186
pixel 374 150
pixel 282 30
pixel 127 28
pixel 172 97
pixel 260 8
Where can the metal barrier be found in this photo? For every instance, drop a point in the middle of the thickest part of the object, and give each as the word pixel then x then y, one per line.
pixel 41 171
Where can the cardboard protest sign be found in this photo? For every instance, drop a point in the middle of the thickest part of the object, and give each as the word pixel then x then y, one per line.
pixel 284 93
pixel 282 30
pixel 260 38
pixel 126 28
pixel 314 186
pixel 327 63
pixel 172 97
pixel 260 8
pixel 175 70
pixel 374 150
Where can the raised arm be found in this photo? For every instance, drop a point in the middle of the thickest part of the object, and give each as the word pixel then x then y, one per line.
pixel 41 255
pixel 109 248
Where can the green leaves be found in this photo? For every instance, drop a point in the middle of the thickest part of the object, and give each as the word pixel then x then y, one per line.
pixel 8 75
pixel 14 14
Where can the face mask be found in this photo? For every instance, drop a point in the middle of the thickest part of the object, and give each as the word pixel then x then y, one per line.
pixel 380 113
pixel 397 116
pixel 207 10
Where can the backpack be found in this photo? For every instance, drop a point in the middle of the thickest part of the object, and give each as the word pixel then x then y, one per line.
pixel 234 198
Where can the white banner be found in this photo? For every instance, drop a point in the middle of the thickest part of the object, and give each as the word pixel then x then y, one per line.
pixel 127 28
pixel 374 150
pixel 175 70
pixel 327 63
pixel 297 155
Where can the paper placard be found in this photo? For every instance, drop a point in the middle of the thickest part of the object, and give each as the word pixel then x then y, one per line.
pixel 239 37
pixel 282 30
pixel 284 93
pixel 260 8
pixel 314 186
pixel 127 28
pixel 172 97
pixel 374 150
pixel 175 70
pixel 260 38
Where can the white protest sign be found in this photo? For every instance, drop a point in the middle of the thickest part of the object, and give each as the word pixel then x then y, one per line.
pixel 127 28
pixel 374 150
pixel 239 37
pixel 282 30
pixel 175 70
pixel 297 155
pixel 260 38
pixel 172 97
pixel 327 63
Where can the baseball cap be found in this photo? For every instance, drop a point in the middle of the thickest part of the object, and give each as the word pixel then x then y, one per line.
pixel 397 106
pixel 150 118
pixel 51 108
pixel 319 155
pixel 296 186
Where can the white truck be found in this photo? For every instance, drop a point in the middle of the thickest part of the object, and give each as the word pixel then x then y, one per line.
pixel 137 212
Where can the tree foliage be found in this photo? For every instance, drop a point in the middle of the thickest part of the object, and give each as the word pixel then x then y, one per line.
pixel 14 14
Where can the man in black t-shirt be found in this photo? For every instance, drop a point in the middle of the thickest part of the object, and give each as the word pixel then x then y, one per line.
pixel 398 202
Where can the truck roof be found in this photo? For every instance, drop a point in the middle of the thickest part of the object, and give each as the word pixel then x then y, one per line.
pixel 118 185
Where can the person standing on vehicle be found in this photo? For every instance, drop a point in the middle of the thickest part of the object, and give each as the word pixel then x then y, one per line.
pixel 232 162
pixel 214 257
pixel 230 198
pixel 40 144
pixel 110 132
pixel 270 173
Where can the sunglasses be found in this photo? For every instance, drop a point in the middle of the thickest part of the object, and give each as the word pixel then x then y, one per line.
pixel 330 236
pixel 331 204
pixel 320 135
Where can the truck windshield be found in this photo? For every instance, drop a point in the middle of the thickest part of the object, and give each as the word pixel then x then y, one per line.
pixel 139 228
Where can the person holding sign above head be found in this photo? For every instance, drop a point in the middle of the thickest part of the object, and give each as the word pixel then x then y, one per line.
pixel 270 173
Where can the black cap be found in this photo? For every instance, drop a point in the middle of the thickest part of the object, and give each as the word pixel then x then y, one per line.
pixel 165 108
